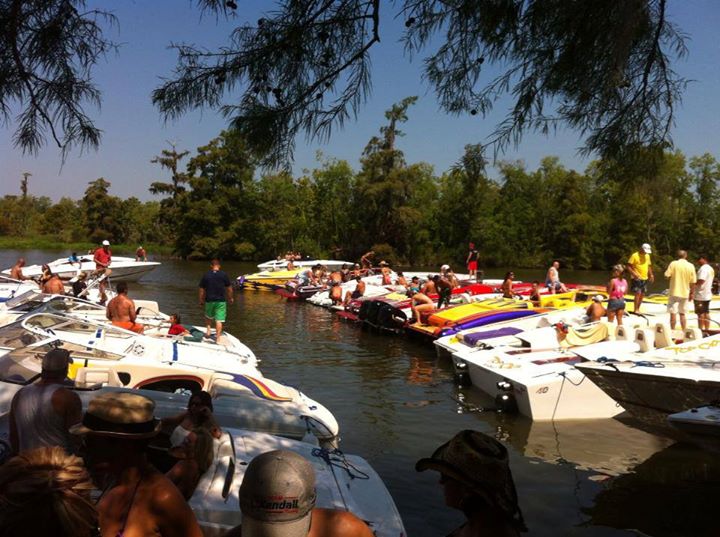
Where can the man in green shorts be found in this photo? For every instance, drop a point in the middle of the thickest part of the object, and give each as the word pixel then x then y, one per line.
pixel 214 294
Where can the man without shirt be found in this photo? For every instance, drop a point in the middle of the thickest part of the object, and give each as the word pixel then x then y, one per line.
pixel 16 272
pixel 682 279
pixel 701 292
pixel 121 310
pixel 215 291
pixel 54 286
pixel 641 272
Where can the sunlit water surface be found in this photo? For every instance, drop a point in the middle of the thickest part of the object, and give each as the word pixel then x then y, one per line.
pixel 396 402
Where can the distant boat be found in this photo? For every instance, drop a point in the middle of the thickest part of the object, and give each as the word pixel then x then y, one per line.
pixel 123 268
pixel 281 264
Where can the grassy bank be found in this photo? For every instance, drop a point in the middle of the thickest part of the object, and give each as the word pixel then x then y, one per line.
pixel 49 242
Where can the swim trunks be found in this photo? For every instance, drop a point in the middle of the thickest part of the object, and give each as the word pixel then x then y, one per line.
pixel 702 306
pixel 638 286
pixel 129 325
pixel 216 311
pixel 472 265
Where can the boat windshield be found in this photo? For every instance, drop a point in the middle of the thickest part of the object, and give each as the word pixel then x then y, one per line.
pixel 22 365
pixel 60 304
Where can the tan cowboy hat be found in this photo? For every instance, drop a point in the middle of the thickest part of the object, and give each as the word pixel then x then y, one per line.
pixel 120 415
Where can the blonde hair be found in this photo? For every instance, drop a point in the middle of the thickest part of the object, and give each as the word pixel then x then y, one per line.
pixel 203 454
pixel 45 491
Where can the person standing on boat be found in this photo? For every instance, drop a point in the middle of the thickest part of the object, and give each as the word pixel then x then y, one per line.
pixel 444 286
pixel 367 260
pixel 137 499
pixel 617 287
pixel 386 273
pixel 476 479
pixel 42 413
pixel 277 498
pixel 701 292
pixel 472 261
pixel 641 272
pixel 552 279
pixel 215 291
pixel 121 311
pixel 682 278
pixel 103 258
pixel 16 272
pixel 140 254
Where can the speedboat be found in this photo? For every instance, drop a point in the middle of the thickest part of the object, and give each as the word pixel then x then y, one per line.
pixel 701 423
pixel 281 264
pixel 240 400
pixel 266 279
pixel 344 482
pixel 11 288
pixel 123 268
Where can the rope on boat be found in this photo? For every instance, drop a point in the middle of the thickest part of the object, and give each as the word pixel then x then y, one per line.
pixel 336 459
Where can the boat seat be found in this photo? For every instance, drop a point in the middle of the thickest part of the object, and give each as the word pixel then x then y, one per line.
pixel 90 376
pixel 621 333
pixel 663 335
pixel 692 334
pixel 645 338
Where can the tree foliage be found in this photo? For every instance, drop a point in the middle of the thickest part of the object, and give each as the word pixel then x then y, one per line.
pixel 47 51
pixel 602 68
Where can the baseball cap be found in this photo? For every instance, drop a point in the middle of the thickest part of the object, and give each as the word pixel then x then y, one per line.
pixel 56 360
pixel 277 495
pixel 106 243
pixel 445 267
pixel 646 248
pixel 598 298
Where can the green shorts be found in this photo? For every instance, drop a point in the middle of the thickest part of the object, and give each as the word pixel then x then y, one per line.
pixel 216 311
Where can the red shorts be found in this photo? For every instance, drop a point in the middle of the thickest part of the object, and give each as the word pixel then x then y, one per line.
pixel 472 265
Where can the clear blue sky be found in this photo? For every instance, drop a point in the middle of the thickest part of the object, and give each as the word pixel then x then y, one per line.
pixel 134 131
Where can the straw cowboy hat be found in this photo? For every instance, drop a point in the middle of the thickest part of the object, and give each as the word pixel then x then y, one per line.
pixel 119 415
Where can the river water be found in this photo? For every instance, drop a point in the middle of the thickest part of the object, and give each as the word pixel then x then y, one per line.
pixel 396 402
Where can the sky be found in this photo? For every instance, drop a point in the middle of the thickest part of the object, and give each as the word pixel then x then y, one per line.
pixel 134 132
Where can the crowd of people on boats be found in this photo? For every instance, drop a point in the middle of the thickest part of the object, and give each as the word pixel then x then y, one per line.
pixel 82 474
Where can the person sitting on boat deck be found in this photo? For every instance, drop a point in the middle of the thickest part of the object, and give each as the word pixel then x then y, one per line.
pixel 682 278
pixel 596 310
pixel 41 413
pixel 356 293
pixel 285 478
pixel 53 285
pixel 196 455
pixel 140 254
pixel 45 275
pixel 79 285
pixel 345 272
pixel 385 273
pixel 535 294
pixel 356 272
pixel 176 327
pixel 476 479
pixel 552 279
pixel 290 265
pixel 444 286
pixel 103 258
pixel 199 413
pixel 16 272
pixel 507 285
pixel 74 260
pixel 641 272
pixel 414 286
pixel 401 280
pixel 701 293
pixel 419 302
pixel 336 277
pixel 137 499
pixel 306 276
pixel 617 287
pixel 121 312
pixel 46 491
pixel 430 285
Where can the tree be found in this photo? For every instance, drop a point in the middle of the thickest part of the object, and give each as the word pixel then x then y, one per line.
pixel 47 51
pixel 170 206
pixel 602 68
pixel 103 212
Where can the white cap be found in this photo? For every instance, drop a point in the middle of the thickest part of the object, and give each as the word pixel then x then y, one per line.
pixel 106 243
pixel 646 248
pixel 445 267
pixel 598 298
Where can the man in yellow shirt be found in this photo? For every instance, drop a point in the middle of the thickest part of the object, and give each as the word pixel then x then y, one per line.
pixel 640 267
pixel 682 279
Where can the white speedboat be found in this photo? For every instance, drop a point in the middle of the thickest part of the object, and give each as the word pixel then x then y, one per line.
pixel 10 288
pixel 240 400
pixel 345 482
pixel 281 264
pixel 702 423
pixel 123 268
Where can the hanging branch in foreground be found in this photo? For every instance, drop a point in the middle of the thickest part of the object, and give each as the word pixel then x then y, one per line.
pixel 602 68
pixel 47 51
